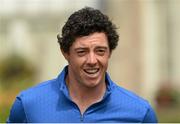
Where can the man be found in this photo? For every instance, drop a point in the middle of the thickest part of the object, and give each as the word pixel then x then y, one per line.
pixel 83 92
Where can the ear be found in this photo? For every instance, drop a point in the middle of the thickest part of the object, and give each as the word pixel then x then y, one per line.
pixel 110 52
pixel 65 54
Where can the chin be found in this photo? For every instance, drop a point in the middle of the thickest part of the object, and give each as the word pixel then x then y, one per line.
pixel 92 84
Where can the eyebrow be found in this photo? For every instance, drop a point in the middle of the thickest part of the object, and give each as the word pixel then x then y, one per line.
pixel 80 48
pixel 101 47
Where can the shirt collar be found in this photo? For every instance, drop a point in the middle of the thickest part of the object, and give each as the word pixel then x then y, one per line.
pixel 62 82
pixel 64 89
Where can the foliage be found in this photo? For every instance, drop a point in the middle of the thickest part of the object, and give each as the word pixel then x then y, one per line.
pixel 16 74
pixel 14 70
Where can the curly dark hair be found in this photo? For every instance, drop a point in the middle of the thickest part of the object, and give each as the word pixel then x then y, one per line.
pixel 84 22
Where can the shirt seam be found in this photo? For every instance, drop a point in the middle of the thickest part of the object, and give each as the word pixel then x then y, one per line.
pixel 145 115
pixel 27 121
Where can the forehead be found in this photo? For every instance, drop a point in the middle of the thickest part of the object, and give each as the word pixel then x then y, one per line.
pixel 92 40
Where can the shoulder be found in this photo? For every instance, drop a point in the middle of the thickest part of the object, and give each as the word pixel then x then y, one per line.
pixel 129 96
pixel 40 96
pixel 127 104
pixel 42 89
pixel 34 100
pixel 134 105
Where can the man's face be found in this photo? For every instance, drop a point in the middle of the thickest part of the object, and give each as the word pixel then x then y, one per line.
pixel 88 60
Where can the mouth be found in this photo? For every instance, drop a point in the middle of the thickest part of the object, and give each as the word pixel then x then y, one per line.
pixel 91 71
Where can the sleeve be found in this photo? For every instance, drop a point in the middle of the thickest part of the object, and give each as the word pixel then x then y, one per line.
pixel 150 116
pixel 17 114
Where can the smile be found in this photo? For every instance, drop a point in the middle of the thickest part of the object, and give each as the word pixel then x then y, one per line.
pixel 91 70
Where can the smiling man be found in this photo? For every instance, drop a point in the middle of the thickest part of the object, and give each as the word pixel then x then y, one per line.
pixel 88 60
pixel 83 91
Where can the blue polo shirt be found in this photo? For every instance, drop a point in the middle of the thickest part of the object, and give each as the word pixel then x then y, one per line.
pixel 50 102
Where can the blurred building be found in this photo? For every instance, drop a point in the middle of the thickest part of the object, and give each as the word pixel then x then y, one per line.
pixel 147 55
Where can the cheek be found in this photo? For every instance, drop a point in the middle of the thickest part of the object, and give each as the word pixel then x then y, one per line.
pixel 104 61
pixel 76 61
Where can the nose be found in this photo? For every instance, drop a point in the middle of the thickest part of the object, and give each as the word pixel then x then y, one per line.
pixel 91 59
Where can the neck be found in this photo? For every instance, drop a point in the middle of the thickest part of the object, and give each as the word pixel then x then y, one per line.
pixel 85 96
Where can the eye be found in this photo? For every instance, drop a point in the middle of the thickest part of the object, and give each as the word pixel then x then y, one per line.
pixel 100 52
pixel 81 52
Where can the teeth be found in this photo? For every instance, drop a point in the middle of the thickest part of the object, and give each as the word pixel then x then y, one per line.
pixel 91 71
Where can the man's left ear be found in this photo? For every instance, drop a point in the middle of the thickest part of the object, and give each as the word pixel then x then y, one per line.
pixel 65 54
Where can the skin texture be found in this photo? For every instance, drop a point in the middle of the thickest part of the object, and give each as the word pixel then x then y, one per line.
pixel 88 61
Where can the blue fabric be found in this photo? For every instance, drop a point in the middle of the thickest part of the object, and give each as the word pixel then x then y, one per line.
pixel 50 102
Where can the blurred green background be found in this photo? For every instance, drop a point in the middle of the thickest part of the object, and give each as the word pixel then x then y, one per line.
pixel 146 61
